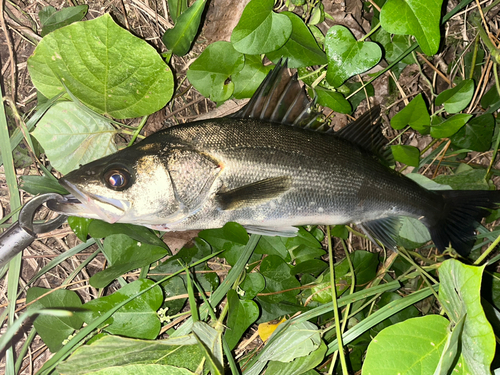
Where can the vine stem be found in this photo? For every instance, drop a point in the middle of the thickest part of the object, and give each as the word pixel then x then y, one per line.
pixel 338 329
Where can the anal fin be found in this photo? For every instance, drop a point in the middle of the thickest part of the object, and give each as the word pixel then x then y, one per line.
pixel 254 193
pixel 385 230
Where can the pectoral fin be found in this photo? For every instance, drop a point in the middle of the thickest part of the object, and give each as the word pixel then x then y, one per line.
pixel 254 193
pixel 272 231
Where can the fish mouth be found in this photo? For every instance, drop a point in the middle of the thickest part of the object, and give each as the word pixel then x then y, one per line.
pixel 88 205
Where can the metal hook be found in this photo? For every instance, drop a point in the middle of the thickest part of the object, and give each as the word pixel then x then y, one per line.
pixel 22 233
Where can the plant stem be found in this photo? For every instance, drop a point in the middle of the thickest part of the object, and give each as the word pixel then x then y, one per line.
pixel 138 130
pixel 338 330
pixel 377 26
pixel 487 252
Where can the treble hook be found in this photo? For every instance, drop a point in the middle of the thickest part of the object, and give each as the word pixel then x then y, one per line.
pixel 22 233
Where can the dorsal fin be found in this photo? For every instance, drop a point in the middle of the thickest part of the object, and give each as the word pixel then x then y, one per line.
pixel 366 132
pixel 281 99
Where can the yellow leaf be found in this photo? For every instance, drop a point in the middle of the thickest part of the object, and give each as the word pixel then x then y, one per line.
pixel 266 329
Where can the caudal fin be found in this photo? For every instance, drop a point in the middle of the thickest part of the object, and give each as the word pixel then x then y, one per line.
pixel 460 215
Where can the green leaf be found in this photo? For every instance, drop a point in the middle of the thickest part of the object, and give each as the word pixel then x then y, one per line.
pixel 212 69
pixel 414 114
pixel 104 66
pixel 299 365
pixel 72 136
pixel 410 347
pixel 253 284
pixel 400 316
pixel 52 329
pixel 80 226
pixel 176 8
pixel 457 98
pixel 41 185
pixel 101 229
pixel 420 18
pixel 476 135
pixel 248 79
pixel 231 237
pixel 408 155
pixel 460 294
pixel 242 314
pixel 113 351
pixel 346 56
pixel 451 348
pixel 52 20
pixel 311 266
pixel 143 370
pixel 125 254
pixel 137 319
pixel 491 98
pixel 333 100
pixel 465 178
pixel 210 341
pixel 260 30
pixel 272 246
pixel 360 95
pixel 301 48
pixel 412 233
pixel 180 38
pixel 293 341
pixel 450 126
pixel 279 277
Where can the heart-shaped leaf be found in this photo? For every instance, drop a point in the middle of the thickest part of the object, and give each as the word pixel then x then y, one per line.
pixel 210 72
pixel 181 36
pixel 333 100
pixel 242 313
pixel 476 134
pixel 125 254
pixel 301 49
pixel 420 18
pixel 260 30
pixel 52 20
pixel 346 56
pixel 408 155
pixel 72 136
pixel 457 98
pixel 52 329
pixel 107 68
pixel 414 114
pixel 450 126
pixel 248 79
pixel 137 318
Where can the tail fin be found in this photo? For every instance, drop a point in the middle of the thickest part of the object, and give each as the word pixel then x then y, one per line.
pixel 462 212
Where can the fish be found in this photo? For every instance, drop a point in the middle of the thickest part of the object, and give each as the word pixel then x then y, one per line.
pixel 269 168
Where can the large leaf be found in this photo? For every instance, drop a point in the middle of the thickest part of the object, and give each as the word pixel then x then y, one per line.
pixel 346 56
pixel 410 347
pixel 104 66
pixel 72 136
pixel 53 329
pixel 211 71
pixel 137 318
pixel 181 36
pixel 333 100
pixel 408 155
pixel 299 365
pixel 460 295
pixel 301 49
pixel 111 351
pixel 420 18
pixel 125 254
pixel 260 30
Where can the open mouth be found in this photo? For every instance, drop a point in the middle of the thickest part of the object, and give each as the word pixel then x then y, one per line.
pixel 88 205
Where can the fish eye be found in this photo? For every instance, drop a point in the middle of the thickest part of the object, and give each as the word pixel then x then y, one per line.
pixel 117 178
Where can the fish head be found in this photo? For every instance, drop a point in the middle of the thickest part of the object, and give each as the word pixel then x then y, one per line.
pixel 130 186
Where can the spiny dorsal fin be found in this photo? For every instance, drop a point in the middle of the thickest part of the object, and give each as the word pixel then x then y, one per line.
pixel 281 99
pixel 366 132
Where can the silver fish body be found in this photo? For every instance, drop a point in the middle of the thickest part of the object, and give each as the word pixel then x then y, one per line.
pixel 268 176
